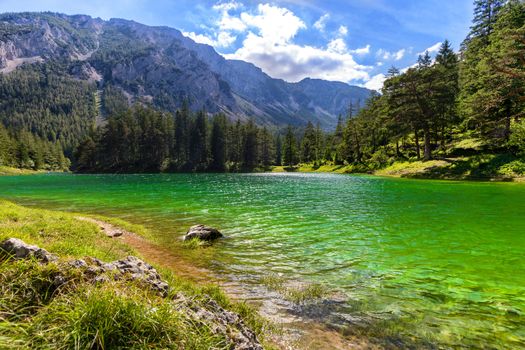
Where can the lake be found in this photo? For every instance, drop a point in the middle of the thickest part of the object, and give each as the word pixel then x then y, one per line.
pixel 432 261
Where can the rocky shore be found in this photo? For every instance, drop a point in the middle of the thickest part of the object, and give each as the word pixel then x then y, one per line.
pixel 91 270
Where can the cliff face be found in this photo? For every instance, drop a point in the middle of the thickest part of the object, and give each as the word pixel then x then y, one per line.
pixel 161 66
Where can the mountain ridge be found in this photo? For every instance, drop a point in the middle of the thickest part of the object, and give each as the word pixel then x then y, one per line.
pixel 161 66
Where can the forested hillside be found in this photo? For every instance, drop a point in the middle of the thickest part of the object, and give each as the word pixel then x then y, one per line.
pixel 44 100
pixel 465 109
pixel 26 151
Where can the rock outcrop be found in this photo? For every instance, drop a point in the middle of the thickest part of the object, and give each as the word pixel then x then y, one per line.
pixel 17 249
pixel 206 312
pixel 219 320
pixel 202 232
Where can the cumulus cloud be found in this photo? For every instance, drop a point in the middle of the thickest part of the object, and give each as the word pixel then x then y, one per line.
pixel 268 35
pixel 432 49
pixel 337 46
pixel 227 6
pixel 269 44
pixel 275 24
pixel 391 56
pixel 361 51
pixel 343 30
pixel 376 83
pixel 222 39
pixel 228 22
pixel 320 24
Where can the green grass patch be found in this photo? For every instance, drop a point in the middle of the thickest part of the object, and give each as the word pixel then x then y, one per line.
pixel 58 232
pixel 36 312
pixel 297 293
pixel 5 170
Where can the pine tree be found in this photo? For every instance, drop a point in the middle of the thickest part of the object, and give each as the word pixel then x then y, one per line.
pixel 218 144
pixel 447 90
pixel 198 142
pixel 308 144
pixel 485 17
pixel 250 156
pixel 289 148
pixel 492 74
pixel 182 129
pixel 267 149
pixel 278 150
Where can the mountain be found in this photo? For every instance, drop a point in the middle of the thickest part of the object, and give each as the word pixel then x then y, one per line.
pixel 119 62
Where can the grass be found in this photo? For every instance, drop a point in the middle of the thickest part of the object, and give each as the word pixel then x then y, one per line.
pixel 467 158
pixel 296 294
pixel 499 167
pixel 36 314
pixel 5 170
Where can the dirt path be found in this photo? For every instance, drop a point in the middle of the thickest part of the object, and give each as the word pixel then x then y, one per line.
pixel 311 335
pixel 154 253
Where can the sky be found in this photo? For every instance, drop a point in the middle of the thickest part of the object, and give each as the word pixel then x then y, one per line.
pixel 353 41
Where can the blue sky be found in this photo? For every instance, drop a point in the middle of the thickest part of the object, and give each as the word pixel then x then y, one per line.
pixel 351 41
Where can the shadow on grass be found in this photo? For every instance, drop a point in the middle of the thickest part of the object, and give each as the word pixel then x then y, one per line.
pixel 502 167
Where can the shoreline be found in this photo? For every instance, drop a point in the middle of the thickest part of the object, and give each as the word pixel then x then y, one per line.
pixel 447 169
pixel 298 334
pixel 402 170
pixel 81 256
pixel 312 334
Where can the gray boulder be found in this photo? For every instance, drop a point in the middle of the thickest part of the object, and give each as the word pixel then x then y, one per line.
pixel 15 248
pixel 137 269
pixel 202 232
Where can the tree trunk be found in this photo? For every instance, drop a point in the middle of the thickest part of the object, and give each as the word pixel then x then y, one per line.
pixel 443 140
pixel 428 144
pixel 508 118
pixel 418 148
pixel 507 127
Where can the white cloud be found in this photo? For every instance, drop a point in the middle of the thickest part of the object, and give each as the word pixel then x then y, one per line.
pixel 225 39
pixel 337 46
pixel 376 83
pixel 320 24
pixel 389 56
pixel 432 49
pixel 227 6
pixel 199 38
pixel 276 24
pixel 362 50
pixel 343 30
pixel 294 62
pixel 228 22
pixel 269 45
pixel 222 39
pixel 404 70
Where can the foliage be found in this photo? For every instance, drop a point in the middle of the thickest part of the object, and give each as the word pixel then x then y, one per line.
pixel 45 100
pixel 24 150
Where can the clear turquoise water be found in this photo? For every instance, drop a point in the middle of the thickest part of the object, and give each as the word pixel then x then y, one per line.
pixel 442 261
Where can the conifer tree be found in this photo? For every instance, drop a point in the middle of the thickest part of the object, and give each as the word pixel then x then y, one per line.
pixel 218 144
pixel 289 148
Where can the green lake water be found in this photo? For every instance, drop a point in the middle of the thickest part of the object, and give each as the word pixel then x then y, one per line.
pixel 439 261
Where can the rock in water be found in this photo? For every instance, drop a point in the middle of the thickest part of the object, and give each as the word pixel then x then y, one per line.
pixel 17 249
pixel 204 233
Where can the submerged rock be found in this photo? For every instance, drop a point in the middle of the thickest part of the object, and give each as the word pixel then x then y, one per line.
pixel 17 249
pixel 202 232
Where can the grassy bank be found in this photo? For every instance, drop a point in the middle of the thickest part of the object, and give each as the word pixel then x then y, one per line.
pixel 5 170
pixel 488 167
pixel 79 314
